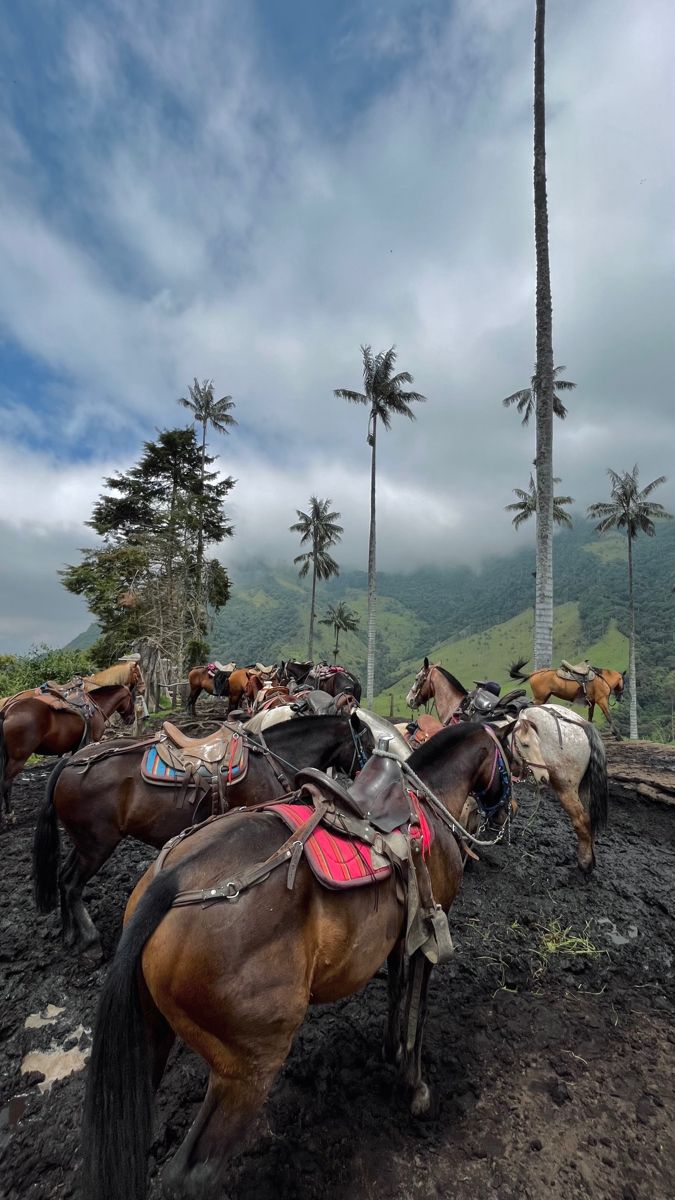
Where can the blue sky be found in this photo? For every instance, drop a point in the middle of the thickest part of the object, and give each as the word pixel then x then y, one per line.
pixel 250 192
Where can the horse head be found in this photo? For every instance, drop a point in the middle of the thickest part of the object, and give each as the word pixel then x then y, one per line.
pixel 527 756
pixel 127 706
pixel 420 691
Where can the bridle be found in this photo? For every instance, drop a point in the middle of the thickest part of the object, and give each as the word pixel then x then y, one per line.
pixel 518 754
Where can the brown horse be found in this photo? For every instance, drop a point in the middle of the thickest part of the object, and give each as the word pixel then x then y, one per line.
pixel 100 804
pixel 234 979
pixel 200 679
pixel 31 724
pixel 546 683
pixel 332 680
pixel 570 750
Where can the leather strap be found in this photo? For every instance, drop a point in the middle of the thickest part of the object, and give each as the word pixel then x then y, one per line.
pixel 289 853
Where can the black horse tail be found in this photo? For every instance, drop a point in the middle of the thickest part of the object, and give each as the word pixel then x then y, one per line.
pixel 3 759
pixel 593 790
pixel 516 670
pixel 117 1122
pixel 47 847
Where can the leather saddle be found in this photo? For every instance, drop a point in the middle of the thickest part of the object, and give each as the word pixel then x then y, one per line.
pixel 67 696
pixel 578 672
pixel 378 795
pixel 224 750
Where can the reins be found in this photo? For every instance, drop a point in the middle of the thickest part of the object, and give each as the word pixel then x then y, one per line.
pixel 445 816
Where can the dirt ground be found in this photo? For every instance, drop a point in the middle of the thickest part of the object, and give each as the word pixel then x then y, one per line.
pixel 551 1059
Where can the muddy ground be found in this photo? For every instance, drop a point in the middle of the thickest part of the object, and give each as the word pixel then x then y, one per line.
pixel 551 1060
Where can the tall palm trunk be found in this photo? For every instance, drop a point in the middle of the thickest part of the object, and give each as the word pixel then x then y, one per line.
pixel 312 614
pixel 543 612
pixel 200 534
pixel 372 575
pixel 632 677
pixel 337 644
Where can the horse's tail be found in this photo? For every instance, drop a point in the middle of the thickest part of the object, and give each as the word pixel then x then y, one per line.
pixel 593 788
pixel 117 1122
pixel 516 670
pixel 47 847
pixel 3 756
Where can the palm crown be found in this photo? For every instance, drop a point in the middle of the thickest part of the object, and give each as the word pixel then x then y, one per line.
pixel 382 391
pixel 206 409
pixel 318 526
pixel 526 505
pixel 525 400
pixel 629 508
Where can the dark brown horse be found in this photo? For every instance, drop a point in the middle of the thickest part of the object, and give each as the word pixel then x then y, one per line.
pixel 234 979
pixel 100 805
pixel 546 682
pixel 326 679
pixel 31 723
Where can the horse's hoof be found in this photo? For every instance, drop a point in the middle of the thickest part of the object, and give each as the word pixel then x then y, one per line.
pixel 91 953
pixel 421 1100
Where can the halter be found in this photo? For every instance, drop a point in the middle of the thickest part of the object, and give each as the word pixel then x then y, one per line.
pixel 499 764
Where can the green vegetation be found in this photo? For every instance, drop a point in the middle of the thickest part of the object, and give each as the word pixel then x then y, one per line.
pixel 18 673
pixel 475 622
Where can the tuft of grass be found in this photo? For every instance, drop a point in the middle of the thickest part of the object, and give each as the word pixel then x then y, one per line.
pixel 554 939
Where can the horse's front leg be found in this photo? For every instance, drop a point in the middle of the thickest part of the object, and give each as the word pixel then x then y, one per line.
pixel 591 710
pixel 604 709
pixel 392 1048
pixel 415 1019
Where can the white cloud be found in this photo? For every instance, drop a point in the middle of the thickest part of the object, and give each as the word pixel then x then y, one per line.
pixel 214 226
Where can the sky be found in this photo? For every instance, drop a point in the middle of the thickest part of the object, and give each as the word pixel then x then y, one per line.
pixel 248 193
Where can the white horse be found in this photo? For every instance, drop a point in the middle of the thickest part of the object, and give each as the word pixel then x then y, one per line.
pixel 572 752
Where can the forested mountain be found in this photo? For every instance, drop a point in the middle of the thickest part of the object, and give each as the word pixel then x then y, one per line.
pixel 475 620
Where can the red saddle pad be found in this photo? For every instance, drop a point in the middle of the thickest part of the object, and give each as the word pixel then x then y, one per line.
pixel 339 861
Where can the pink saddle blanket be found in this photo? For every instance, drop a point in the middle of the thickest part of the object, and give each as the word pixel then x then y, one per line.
pixel 338 861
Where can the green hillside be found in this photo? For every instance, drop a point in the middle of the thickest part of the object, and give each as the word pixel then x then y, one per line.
pixel 474 621
pixel 488 655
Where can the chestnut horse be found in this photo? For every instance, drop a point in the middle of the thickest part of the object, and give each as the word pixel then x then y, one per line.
pixel 200 680
pixel 100 804
pixel 546 683
pixel 234 979
pixel 571 748
pixel 30 725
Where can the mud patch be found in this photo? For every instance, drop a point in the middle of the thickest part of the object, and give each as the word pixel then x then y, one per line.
pixel 551 1068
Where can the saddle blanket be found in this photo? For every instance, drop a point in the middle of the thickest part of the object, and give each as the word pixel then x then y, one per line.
pixel 155 770
pixel 338 861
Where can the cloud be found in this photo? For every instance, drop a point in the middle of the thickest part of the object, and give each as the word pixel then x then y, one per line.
pixel 191 200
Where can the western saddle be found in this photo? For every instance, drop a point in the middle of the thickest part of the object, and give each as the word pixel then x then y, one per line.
pixel 378 796
pixel 581 672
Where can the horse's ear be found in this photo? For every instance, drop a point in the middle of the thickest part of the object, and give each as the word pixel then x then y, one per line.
pixel 426 664
pixel 357 724
pixel 504 732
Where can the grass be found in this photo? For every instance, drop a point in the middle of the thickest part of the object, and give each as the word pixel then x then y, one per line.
pixel 554 939
pixel 488 655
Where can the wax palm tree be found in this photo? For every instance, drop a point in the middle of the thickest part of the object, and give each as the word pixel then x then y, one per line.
pixel 630 510
pixel 343 620
pixel 320 529
pixel 526 505
pixel 543 604
pixel 526 399
pixel 216 414
pixel 384 397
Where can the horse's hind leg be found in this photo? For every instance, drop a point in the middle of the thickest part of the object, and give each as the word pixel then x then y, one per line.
pixel 236 1093
pixel 581 822
pixel 77 870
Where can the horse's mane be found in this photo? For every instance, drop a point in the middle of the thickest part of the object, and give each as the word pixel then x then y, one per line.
pixel 452 679
pixel 119 673
pixel 437 745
